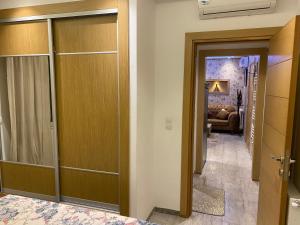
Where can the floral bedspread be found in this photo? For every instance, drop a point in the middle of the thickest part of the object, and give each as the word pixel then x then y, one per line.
pixel 18 210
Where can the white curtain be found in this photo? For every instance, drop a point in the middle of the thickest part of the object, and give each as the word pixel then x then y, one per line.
pixel 29 107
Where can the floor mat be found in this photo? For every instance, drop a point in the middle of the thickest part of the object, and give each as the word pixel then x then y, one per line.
pixel 208 200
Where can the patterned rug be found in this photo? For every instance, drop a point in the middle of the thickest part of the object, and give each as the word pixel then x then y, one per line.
pixel 16 210
pixel 207 199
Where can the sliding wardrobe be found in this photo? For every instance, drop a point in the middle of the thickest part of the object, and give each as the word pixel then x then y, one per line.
pixel 88 107
pixel 61 109
pixel 26 125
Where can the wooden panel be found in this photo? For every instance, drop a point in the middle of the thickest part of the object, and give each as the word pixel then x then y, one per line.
pixel 279 114
pixel 282 44
pixel 276 112
pixel 259 116
pixel 28 178
pixel 269 189
pixel 233 35
pixel 200 152
pixel 90 186
pixel 273 139
pixel 87 96
pixel 22 38
pixel 123 32
pixel 296 141
pixel 87 34
pixel 279 78
pixel 86 5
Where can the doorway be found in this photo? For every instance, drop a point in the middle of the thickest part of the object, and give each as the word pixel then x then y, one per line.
pixel 223 156
pixel 281 82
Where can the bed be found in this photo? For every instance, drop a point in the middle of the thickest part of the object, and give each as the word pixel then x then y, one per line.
pixel 17 210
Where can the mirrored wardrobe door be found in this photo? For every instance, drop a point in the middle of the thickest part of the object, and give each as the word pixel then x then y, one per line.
pixel 25 111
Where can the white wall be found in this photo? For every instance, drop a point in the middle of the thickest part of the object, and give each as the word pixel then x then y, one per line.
pixel 142 105
pixel 145 116
pixel 173 20
pixel 133 105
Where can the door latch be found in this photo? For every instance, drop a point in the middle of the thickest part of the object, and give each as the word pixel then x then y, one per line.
pixel 285 162
pixel 278 159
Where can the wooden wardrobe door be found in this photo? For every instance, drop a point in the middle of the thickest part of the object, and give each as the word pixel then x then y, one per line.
pixel 88 107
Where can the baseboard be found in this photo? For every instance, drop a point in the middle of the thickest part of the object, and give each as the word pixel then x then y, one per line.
pixel 163 210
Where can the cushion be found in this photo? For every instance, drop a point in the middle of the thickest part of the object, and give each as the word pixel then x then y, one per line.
pixel 230 109
pixel 223 115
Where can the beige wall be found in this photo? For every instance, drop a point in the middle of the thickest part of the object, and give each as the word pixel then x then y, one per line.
pixel 173 19
pixel 142 105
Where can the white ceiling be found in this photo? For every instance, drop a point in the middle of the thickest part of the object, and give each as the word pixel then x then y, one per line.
pixel 5 4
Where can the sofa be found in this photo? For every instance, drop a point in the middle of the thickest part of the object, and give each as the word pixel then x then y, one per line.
pixel 223 118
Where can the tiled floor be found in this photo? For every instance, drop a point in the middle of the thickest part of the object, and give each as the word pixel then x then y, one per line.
pixel 229 167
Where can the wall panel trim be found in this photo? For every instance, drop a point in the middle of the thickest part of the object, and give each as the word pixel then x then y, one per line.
pixel 60 15
pixel 29 194
pixel 26 164
pixel 87 53
pixel 87 170
pixel 53 108
pixel 25 55
pixel 89 203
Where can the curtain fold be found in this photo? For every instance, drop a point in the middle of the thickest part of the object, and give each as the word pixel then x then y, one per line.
pixel 4 111
pixel 29 106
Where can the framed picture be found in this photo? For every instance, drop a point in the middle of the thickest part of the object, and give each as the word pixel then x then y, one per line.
pixel 218 87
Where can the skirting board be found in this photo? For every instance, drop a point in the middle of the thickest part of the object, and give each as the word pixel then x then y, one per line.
pixel 163 210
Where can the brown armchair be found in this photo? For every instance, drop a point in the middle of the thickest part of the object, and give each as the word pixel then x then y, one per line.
pixel 228 120
pixel 234 122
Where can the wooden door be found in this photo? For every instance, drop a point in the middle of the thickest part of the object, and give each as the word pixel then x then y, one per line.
pixel 88 108
pixel 200 126
pixel 278 124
